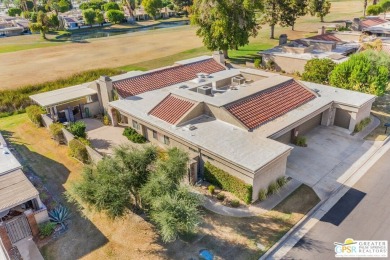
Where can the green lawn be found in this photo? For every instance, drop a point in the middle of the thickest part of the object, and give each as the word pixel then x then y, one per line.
pixel 4 48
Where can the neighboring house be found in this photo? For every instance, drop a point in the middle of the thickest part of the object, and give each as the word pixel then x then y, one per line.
pixel 21 209
pixel 13 26
pixel 292 57
pixel 240 120
pixel 71 20
pixel 372 25
pixel 140 13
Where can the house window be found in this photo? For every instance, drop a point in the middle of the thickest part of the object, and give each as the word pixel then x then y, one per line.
pixel 135 125
pixel 154 134
pixel 89 99
pixel 166 140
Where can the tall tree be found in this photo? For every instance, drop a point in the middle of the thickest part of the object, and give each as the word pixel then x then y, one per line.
pixel 319 8
pixel 115 16
pixel 99 17
pixel 277 11
pixel 152 7
pixel 89 16
pixel 225 25
pixel 294 10
pixel 385 5
pixel 365 2
pixel 42 24
pixel 374 10
pixel 130 5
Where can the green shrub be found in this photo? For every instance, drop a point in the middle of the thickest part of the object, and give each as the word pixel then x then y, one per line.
pixel 78 150
pixel 78 129
pixel 257 63
pixel 281 181
pixel 47 228
pixel 133 135
pixel 84 141
pixel 220 196
pixel 235 203
pixel 228 182
pixel 273 188
pixel 18 99
pixel 106 120
pixel 211 189
pixel 34 113
pixel 270 65
pixel 56 131
pixel 362 124
pixel 301 141
pixel 262 194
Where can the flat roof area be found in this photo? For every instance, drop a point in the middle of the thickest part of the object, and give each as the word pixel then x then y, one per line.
pixel 63 95
pixel 15 189
pixel 8 161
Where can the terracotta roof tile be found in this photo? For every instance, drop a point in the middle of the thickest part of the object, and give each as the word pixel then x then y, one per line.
pixel 325 37
pixel 171 109
pixel 386 48
pixel 165 77
pixel 270 104
pixel 368 22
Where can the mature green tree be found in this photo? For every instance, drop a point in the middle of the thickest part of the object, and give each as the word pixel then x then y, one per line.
pixel 14 11
pixel 318 70
pixel 115 16
pixel 53 21
pixel 319 8
pixel 99 17
pixel 182 5
pixel 111 6
pixel 130 5
pixel 277 11
pixel 294 10
pixel 374 10
pixel 385 5
pixel 63 6
pixel 89 16
pixel 152 7
pixel 225 25
pixel 361 72
pixel 94 4
pixel 42 24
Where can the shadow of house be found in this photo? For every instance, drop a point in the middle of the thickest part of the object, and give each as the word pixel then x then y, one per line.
pixel 83 236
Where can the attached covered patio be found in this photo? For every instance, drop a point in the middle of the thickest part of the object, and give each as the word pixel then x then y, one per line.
pixel 69 104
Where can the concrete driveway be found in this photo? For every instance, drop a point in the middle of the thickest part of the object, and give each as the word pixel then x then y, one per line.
pixel 105 138
pixel 331 152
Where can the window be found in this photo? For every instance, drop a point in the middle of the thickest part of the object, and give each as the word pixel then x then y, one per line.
pixel 166 140
pixel 89 99
pixel 154 134
pixel 135 125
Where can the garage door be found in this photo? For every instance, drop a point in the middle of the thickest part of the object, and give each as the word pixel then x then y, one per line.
pixel 310 124
pixel 342 118
pixel 286 138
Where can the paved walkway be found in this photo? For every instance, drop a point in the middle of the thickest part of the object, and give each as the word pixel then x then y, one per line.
pixel 253 209
pixel 28 249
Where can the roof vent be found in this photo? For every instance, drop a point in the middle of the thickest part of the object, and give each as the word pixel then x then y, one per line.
pixel 205 90
pixel 316 90
pixel 183 87
pixel 238 80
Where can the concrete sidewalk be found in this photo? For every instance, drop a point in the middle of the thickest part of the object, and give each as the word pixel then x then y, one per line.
pixel 281 248
pixel 256 208
pixel 28 249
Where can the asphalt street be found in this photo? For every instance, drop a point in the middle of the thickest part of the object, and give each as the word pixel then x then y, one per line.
pixel 363 213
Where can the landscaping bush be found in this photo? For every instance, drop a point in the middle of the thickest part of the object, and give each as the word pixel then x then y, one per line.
pixel 262 194
pixel 220 196
pixel 235 203
pixel 18 99
pixel 46 229
pixel 78 129
pixel 34 113
pixel 273 188
pixel 257 63
pixel 301 141
pixel 211 189
pixel 362 124
pixel 133 135
pixel 84 141
pixel 281 181
pixel 106 120
pixel 56 131
pixel 228 182
pixel 78 150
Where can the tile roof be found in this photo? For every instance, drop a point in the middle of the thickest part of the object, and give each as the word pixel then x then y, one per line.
pixel 368 22
pixel 270 103
pixel 171 109
pixel 165 77
pixel 325 37
pixel 386 48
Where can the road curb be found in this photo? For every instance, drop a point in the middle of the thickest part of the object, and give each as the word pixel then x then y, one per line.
pixel 309 216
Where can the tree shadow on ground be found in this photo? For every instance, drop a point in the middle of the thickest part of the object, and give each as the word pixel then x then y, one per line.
pixel 245 58
pixel 83 236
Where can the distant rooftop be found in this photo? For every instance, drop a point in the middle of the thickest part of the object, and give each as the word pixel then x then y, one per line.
pixel 8 161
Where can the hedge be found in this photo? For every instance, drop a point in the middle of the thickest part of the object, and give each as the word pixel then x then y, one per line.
pixel 134 136
pixel 227 182
pixel 78 129
pixel 78 150
pixel 56 131
pixel 34 113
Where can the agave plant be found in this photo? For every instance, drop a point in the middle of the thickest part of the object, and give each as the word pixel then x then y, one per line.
pixel 59 215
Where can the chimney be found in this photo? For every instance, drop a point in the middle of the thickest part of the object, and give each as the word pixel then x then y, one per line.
pixel 282 39
pixel 106 91
pixel 321 31
pixel 219 57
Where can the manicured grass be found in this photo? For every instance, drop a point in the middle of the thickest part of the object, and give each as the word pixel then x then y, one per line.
pixel 250 52
pixel 381 109
pixel 21 47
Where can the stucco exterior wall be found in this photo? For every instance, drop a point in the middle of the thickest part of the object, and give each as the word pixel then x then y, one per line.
pixel 222 114
pixel 289 65
pixel 94 109
pixel 268 174
pixel 198 110
pixel 41 216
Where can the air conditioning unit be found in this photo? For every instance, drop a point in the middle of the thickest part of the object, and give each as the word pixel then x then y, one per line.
pixel 205 90
pixel 238 80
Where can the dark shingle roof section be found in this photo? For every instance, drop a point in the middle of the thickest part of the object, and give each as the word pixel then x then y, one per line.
pixel 171 109
pixel 165 77
pixel 270 103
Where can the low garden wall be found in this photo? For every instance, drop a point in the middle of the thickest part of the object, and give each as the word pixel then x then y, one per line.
pixel 67 135
pixel 46 120
pixel 41 216
pixel 94 155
